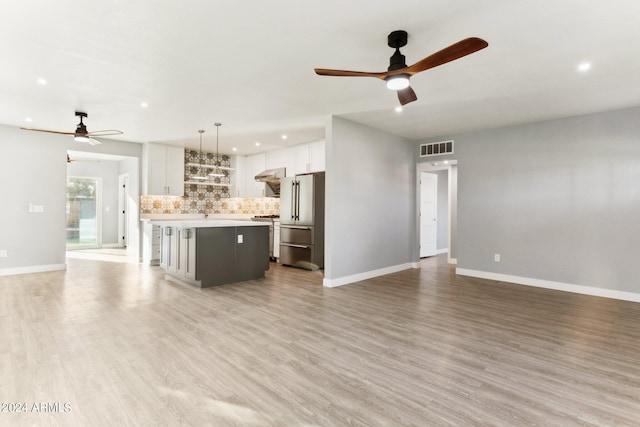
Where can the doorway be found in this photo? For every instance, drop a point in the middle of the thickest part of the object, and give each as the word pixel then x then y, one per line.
pixel 444 210
pixel 84 204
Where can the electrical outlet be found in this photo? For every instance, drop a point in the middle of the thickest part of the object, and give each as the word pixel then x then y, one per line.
pixel 496 257
pixel 3 253
pixel 240 238
pixel 38 208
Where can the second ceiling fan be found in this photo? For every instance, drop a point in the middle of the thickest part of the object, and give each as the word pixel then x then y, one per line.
pixel 81 133
pixel 398 74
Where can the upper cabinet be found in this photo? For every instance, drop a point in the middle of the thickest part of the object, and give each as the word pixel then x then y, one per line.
pixel 164 170
pixel 316 156
pixel 305 158
pixel 302 158
pixel 255 165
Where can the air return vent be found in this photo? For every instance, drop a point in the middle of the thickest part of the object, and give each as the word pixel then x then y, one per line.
pixel 436 148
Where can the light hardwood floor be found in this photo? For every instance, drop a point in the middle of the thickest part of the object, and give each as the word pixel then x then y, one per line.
pixel 123 346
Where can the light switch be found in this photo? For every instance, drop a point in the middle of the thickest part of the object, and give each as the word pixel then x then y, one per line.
pixel 3 253
pixel 240 239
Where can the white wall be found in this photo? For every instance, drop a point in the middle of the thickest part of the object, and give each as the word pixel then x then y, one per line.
pixel 33 170
pixel 370 203
pixel 559 200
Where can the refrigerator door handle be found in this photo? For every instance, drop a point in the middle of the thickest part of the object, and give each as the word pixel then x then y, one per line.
pixel 296 227
pixel 291 245
pixel 297 200
pixel 293 200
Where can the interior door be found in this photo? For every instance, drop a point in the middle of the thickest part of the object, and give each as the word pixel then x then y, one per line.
pixel 428 214
pixel 123 215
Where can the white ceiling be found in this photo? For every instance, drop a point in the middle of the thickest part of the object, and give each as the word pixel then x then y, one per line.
pixel 249 64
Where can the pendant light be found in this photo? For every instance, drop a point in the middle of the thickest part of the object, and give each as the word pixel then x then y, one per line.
pixel 200 175
pixel 217 173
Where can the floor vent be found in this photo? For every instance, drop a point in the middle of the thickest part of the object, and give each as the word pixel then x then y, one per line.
pixel 436 148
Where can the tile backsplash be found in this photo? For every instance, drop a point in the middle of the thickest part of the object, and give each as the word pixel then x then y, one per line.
pixel 223 205
pixel 201 199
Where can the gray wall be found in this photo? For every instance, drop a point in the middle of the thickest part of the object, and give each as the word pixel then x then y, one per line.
pixel 370 202
pixel 33 169
pixel 108 171
pixel 559 200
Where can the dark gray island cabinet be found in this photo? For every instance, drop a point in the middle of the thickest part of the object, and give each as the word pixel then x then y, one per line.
pixel 214 252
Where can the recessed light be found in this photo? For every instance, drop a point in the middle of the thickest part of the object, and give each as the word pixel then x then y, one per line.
pixel 284 136
pixel 42 82
pixel 585 66
pixel 399 109
pixel 28 119
pixel 234 149
pixel 144 104
pixel 446 162
pixel 257 144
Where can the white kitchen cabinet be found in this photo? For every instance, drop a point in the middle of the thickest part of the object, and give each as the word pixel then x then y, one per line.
pixel 297 159
pixel 168 249
pixel 151 245
pixel 255 164
pixel 165 170
pixel 186 257
pixel 178 251
pixel 316 156
pixel 306 158
pixel 238 186
pixel 276 159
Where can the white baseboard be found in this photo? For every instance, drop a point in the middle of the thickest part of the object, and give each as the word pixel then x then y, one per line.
pixel 453 260
pixel 548 284
pixel 32 269
pixel 332 283
pixel 112 245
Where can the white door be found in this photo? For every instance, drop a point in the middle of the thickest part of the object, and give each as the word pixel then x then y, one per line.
pixel 428 213
pixel 123 215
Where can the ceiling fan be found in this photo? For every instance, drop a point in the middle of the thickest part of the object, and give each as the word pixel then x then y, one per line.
pixel 398 74
pixel 81 134
pixel 70 160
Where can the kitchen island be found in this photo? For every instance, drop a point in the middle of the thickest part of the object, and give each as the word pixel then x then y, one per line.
pixel 206 253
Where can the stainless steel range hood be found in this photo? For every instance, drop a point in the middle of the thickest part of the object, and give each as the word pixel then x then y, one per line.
pixel 271 178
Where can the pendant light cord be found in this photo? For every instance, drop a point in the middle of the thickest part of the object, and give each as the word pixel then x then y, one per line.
pixel 201 131
pixel 217 145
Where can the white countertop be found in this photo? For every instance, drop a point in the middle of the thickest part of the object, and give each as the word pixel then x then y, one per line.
pixel 207 223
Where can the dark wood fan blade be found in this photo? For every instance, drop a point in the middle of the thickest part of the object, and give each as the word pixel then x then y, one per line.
pixel 105 132
pixel 448 54
pixel 347 73
pixel 406 95
pixel 49 131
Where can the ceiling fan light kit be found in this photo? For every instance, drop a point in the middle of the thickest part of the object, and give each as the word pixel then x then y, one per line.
pixel 398 82
pixel 398 74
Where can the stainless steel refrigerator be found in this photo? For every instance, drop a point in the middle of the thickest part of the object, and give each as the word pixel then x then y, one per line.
pixel 302 221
